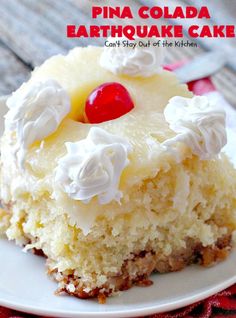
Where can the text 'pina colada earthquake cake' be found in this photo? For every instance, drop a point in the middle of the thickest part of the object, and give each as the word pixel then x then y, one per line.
pixel 113 170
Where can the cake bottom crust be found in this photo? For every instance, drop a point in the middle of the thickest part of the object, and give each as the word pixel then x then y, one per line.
pixel 139 267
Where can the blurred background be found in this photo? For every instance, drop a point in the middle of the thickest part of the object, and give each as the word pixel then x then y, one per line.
pixel 33 30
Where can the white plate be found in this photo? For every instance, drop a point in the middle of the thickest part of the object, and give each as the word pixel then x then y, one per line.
pixel 25 286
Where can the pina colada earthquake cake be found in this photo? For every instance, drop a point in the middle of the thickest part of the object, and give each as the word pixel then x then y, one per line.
pixel 113 170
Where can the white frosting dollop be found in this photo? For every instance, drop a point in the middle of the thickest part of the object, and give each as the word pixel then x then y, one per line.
pixel 200 124
pixel 93 167
pixel 35 112
pixel 138 61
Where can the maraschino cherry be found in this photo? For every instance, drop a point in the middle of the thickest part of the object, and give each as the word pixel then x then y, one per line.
pixel 106 102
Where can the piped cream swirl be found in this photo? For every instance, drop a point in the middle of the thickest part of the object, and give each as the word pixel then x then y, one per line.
pixel 198 123
pixel 35 112
pixel 140 61
pixel 93 167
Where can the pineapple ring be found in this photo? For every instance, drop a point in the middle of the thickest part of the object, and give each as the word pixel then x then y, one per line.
pixel 79 73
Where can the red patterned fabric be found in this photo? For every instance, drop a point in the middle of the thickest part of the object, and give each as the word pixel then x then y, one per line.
pixel 221 305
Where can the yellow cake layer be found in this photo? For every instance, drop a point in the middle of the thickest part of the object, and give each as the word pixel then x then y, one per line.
pixel 157 214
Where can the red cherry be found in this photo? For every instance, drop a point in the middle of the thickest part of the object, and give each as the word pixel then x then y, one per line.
pixel 106 102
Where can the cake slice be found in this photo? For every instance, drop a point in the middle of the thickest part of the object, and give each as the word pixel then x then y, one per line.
pixel 110 203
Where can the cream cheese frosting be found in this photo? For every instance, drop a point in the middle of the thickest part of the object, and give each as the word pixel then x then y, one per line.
pixel 93 167
pixel 140 61
pixel 199 123
pixel 35 112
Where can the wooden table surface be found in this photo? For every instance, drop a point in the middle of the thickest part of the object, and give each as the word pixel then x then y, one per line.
pixel 33 30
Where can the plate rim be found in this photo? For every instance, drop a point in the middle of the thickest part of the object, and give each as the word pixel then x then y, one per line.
pixel 146 310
